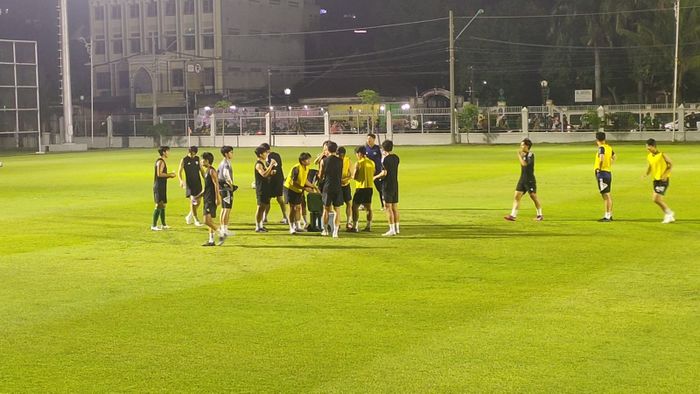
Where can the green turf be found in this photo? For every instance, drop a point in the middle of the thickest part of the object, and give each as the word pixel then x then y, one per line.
pixel 461 301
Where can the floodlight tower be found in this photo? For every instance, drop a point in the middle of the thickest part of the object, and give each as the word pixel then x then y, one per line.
pixel 64 56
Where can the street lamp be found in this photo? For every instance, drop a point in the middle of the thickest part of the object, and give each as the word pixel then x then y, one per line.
pixel 88 48
pixel 545 91
pixel 406 107
pixel 287 93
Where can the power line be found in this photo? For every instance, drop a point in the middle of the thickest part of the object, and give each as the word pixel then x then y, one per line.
pixel 576 14
pixel 573 46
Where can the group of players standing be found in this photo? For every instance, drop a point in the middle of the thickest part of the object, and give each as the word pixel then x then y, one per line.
pixel 658 166
pixel 212 188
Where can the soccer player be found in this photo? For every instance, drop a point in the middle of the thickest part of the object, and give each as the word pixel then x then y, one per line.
pixel 276 183
pixel 374 153
pixel 345 186
pixel 294 186
pixel 192 183
pixel 390 187
pixel 331 175
pixel 527 182
pixel 660 169
pixel 212 199
pixel 604 159
pixel 225 176
pixel 263 173
pixel 160 188
pixel 364 174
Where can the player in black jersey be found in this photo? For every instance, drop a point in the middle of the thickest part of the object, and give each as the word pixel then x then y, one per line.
pixel 263 172
pixel 276 183
pixel 389 176
pixel 527 182
pixel 192 183
pixel 331 175
pixel 160 188
pixel 226 189
pixel 212 198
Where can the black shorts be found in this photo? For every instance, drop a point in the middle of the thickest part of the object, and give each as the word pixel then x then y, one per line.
pixel 526 186
pixel 263 197
pixel 160 194
pixel 292 197
pixel 226 198
pixel 347 194
pixel 391 196
pixel 604 179
pixel 363 196
pixel 660 187
pixel 193 190
pixel 210 208
pixel 276 187
pixel 334 198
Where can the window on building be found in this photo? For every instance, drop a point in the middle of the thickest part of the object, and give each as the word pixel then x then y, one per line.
pixel 124 79
pixel 99 13
pixel 170 8
pixel 99 47
pixel 293 3
pixel 275 2
pixel 189 42
pixel 116 12
pixel 135 45
pixel 134 11
pixel 152 43
pixel 171 42
pixel 117 46
pixel 152 9
pixel 208 76
pixel 188 8
pixel 207 6
pixel 177 78
pixel 208 41
pixel 102 81
pixel 232 31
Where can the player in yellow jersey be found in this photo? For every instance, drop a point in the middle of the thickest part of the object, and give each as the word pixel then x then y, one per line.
pixel 604 159
pixel 659 167
pixel 294 186
pixel 364 174
pixel 345 185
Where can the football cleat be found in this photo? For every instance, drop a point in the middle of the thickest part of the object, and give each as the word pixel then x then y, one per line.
pixel 509 218
pixel 539 218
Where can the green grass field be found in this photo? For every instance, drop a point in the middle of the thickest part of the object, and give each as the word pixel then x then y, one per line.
pixel 462 301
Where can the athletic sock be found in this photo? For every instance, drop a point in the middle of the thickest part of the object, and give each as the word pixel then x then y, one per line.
pixel 539 212
pixel 392 228
pixel 354 224
pixel 156 214
pixel 608 215
pixel 514 213
pixel 211 237
pixel 369 224
pixel 396 227
pixel 162 216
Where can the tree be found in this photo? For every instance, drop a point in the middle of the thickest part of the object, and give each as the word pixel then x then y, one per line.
pixel 370 97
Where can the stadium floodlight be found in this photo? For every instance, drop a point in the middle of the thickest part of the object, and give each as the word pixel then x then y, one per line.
pixel 207 108
pixel 233 108
pixel 406 107
pixel 382 107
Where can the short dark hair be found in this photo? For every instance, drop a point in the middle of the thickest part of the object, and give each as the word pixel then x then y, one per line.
pixel 361 150
pixel 226 149
pixel 326 142
pixel 265 145
pixel 388 146
pixel 259 151
pixel 342 151
pixel 651 142
pixel 304 156
pixel 332 147
pixel 194 149
pixel 600 136
pixel 527 142
pixel 163 149
pixel 208 156
pixel 372 135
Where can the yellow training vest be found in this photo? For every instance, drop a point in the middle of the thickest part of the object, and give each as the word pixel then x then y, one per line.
pixel 658 165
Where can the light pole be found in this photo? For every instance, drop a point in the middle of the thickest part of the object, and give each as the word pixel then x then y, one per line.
pixel 287 93
pixel 677 13
pixel 88 47
pixel 545 92
pixel 65 68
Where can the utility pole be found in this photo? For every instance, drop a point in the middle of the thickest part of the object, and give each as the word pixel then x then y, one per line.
pixel 677 12
pixel 154 78
pixel 453 40
pixel 65 70
pixel 452 78
pixel 269 87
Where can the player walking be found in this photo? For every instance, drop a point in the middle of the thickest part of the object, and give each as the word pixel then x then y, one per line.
pixel 192 183
pixel 527 182
pixel 660 169
pixel 604 159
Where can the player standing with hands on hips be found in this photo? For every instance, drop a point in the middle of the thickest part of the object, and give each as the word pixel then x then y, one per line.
pixel 527 182
pixel 660 170
pixel 160 188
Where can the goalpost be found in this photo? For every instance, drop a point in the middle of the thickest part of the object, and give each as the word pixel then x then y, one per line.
pixel 20 115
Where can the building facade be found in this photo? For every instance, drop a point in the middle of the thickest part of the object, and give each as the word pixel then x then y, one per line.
pixel 210 47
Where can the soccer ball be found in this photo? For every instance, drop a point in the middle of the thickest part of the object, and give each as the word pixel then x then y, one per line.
pixel 252 185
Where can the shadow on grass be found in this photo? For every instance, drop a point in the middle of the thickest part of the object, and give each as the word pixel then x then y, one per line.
pixel 456 231
pixel 449 209
pixel 297 247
